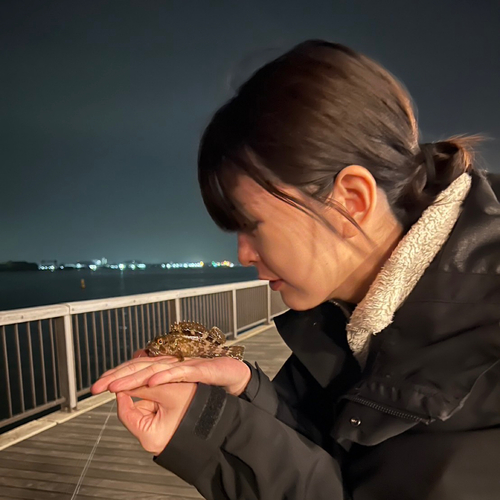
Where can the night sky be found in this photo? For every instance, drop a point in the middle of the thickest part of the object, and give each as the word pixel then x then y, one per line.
pixel 102 105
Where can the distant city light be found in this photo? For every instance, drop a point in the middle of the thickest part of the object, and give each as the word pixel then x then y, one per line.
pixel 183 265
pixel 224 263
pixel 96 264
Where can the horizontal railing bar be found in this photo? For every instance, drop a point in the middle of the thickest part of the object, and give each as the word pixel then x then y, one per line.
pixel 32 314
pixel 29 413
pixel 150 298
pixel 83 391
pixel 255 323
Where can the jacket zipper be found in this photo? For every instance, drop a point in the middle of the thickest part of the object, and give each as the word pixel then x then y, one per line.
pixel 366 402
pixel 388 410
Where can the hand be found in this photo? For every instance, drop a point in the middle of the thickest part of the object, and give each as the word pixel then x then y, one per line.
pixel 154 419
pixel 229 373
pixel 141 353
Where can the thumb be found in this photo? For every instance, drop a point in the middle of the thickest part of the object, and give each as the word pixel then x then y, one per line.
pixel 128 414
pixel 155 394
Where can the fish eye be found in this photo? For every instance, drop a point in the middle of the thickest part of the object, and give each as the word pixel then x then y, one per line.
pixel 160 341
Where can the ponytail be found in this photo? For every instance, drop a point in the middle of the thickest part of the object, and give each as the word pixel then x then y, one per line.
pixel 436 166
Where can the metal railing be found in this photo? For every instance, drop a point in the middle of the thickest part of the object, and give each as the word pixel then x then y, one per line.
pixel 51 355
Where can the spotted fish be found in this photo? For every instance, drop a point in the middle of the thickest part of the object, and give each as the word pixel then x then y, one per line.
pixel 189 339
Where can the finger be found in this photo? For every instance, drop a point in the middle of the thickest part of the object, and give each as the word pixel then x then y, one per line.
pixel 129 381
pixel 184 373
pixel 151 394
pixel 126 369
pixel 141 359
pixel 102 384
pixel 146 406
pixel 141 353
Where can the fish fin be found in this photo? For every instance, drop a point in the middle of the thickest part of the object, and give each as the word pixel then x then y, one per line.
pixel 216 336
pixel 236 351
pixel 191 329
pixel 192 325
pixel 179 355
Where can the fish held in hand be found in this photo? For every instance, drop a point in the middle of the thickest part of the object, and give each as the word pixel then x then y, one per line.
pixel 189 339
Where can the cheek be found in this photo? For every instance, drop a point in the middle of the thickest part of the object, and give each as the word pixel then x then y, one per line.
pixel 297 249
pixel 280 245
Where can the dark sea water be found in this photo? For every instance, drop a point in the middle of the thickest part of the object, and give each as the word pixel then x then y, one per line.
pixel 37 288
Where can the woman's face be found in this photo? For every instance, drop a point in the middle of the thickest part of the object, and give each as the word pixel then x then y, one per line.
pixel 303 259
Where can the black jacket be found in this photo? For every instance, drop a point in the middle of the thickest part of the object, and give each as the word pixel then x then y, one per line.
pixel 422 421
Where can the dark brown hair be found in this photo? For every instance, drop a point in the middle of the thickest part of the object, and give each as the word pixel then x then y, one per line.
pixel 303 117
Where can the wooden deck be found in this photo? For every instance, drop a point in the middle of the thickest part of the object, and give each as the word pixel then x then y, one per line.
pixel 50 464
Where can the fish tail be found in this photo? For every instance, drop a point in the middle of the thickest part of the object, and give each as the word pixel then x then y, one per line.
pixel 236 351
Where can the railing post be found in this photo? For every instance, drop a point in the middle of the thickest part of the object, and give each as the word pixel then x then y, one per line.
pixel 268 305
pixel 66 361
pixel 178 309
pixel 235 315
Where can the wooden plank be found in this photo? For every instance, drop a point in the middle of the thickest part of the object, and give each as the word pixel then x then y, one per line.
pixel 75 438
pixel 105 454
pixel 93 431
pixel 28 430
pixel 25 494
pixel 84 492
pixel 187 491
pixel 80 462
pixel 89 425
pixel 92 472
pixel 133 459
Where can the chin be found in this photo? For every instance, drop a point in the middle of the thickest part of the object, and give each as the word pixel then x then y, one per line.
pixel 298 303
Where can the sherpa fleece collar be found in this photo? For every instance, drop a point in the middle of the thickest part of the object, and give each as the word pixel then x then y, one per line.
pixel 405 267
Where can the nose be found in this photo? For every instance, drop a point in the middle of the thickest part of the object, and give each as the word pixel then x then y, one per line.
pixel 247 255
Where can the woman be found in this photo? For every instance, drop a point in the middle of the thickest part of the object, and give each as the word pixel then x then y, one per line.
pixel 387 252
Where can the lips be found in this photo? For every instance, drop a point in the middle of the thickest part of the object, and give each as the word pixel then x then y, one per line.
pixel 268 279
pixel 275 285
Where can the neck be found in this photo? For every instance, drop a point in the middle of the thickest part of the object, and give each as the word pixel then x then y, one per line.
pixel 368 265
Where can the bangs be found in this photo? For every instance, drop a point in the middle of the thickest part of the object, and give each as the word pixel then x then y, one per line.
pixel 217 186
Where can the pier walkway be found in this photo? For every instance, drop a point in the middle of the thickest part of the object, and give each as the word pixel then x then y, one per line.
pixel 77 460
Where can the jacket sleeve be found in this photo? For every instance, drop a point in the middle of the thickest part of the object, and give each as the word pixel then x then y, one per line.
pixel 231 449
pixel 282 396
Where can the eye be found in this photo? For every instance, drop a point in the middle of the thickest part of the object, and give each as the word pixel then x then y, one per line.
pixel 250 226
pixel 160 341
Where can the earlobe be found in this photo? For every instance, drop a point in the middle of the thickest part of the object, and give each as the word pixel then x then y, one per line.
pixel 349 230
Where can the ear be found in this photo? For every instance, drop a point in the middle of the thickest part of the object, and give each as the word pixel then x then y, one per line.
pixel 356 190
